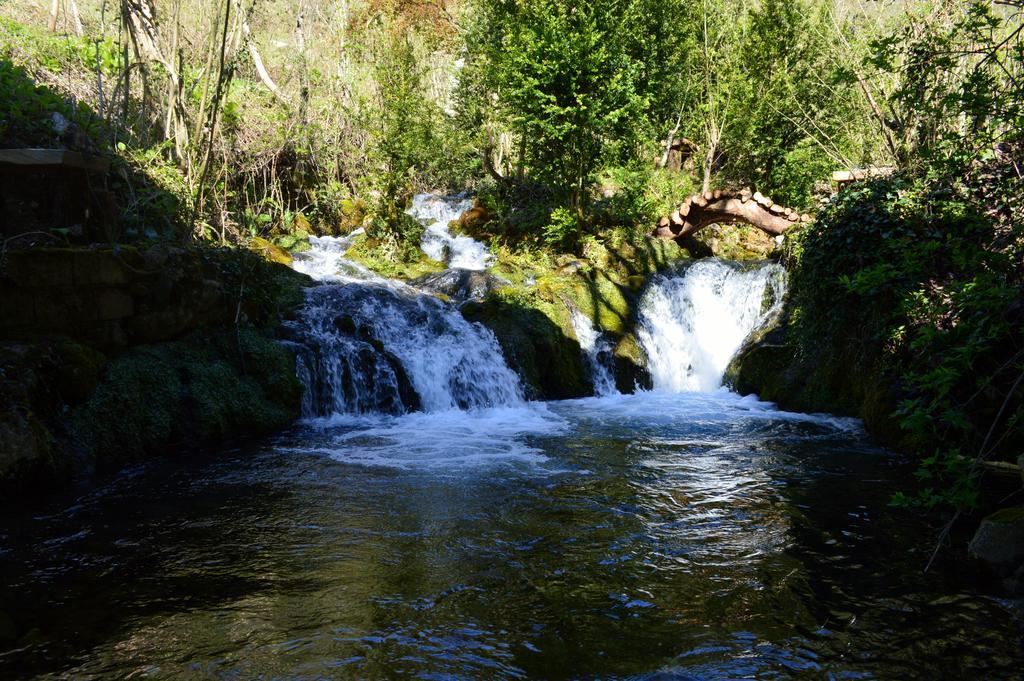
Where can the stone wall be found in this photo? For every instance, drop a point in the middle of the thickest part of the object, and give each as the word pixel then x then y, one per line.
pixel 112 299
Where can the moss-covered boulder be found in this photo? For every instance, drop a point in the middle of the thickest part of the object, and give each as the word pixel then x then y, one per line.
pixel 271 251
pixel 630 365
pixel 732 242
pixel 549 362
pixel 999 545
pixel 391 259
pixel 203 390
pixel 25 448
pixel 770 366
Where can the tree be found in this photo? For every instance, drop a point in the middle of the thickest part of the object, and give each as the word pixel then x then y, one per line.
pixel 572 81
pixel 402 132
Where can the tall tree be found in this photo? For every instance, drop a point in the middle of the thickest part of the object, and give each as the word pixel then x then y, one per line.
pixel 573 81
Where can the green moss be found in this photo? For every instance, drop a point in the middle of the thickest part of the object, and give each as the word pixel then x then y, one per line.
pixel 1007 516
pixel 270 251
pixel 77 371
pixel 188 393
pixel 395 261
pixel 604 284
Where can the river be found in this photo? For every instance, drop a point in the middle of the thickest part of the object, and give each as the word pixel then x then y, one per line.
pixel 678 533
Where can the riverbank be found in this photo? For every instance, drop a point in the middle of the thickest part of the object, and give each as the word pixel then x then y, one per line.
pixel 113 355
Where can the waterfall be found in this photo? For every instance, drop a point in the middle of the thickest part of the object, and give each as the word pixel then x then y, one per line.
pixel 325 260
pixel 598 351
pixel 436 213
pixel 368 345
pixel 692 322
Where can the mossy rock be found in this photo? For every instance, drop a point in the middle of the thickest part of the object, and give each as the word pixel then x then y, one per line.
pixel 392 260
pixel 270 251
pixel 999 541
pixel 630 365
pixel 203 390
pixel 77 372
pixel 26 451
pixel 549 362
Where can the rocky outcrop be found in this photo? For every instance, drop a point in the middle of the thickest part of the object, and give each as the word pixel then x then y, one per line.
pixel 547 359
pixel 999 544
pixel 458 284
pixel 770 366
pixel 116 354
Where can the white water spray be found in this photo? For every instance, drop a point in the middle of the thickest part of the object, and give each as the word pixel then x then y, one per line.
pixel 367 345
pixel 436 213
pixel 325 260
pixel 691 325
pixel 598 351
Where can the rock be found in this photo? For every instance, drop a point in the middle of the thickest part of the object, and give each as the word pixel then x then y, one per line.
pixel 459 284
pixel 77 371
pixel 474 220
pixel 24 445
pixel 999 541
pixel 630 365
pixel 270 251
pixel 548 361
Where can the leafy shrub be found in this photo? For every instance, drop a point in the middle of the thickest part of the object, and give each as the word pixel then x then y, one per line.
pixel 562 229
pixel 26 109
pixel 915 277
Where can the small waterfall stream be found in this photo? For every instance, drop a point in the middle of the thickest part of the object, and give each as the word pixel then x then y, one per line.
pixel 458 252
pixel 368 345
pixel 691 324
pixel 598 351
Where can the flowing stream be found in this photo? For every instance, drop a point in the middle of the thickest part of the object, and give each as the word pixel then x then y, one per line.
pixel 425 521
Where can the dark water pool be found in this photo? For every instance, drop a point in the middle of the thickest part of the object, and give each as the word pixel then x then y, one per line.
pixel 651 537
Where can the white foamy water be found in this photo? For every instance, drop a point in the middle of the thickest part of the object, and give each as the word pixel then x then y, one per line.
pixel 436 212
pixel 366 348
pixel 325 260
pixel 598 351
pixel 452 440
pixel 691 325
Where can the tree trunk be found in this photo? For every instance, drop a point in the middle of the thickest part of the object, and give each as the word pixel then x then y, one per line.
pixel 76 19
pixel 671 139
pixel 261 69
pixel 709 161
pixel 51 22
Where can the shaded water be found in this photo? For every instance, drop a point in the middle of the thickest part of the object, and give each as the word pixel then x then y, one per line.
pixel 648 536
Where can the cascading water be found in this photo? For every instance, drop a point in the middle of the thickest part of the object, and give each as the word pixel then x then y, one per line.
pixel 598 351
pixel 325 260
pixel 436 213
pixel 371 345
pixel 691 324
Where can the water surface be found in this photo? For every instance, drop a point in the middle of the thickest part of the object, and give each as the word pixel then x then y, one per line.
pixel 668 536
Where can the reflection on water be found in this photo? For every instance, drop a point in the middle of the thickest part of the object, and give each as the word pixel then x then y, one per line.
pixel 650 536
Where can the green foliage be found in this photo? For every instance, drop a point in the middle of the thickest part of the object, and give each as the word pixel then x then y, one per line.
pixel 187 393
pixel 26 109
pixel 403 136
pixel 573 83
pixel 917 276
pixel 562 229
pixel 957 88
